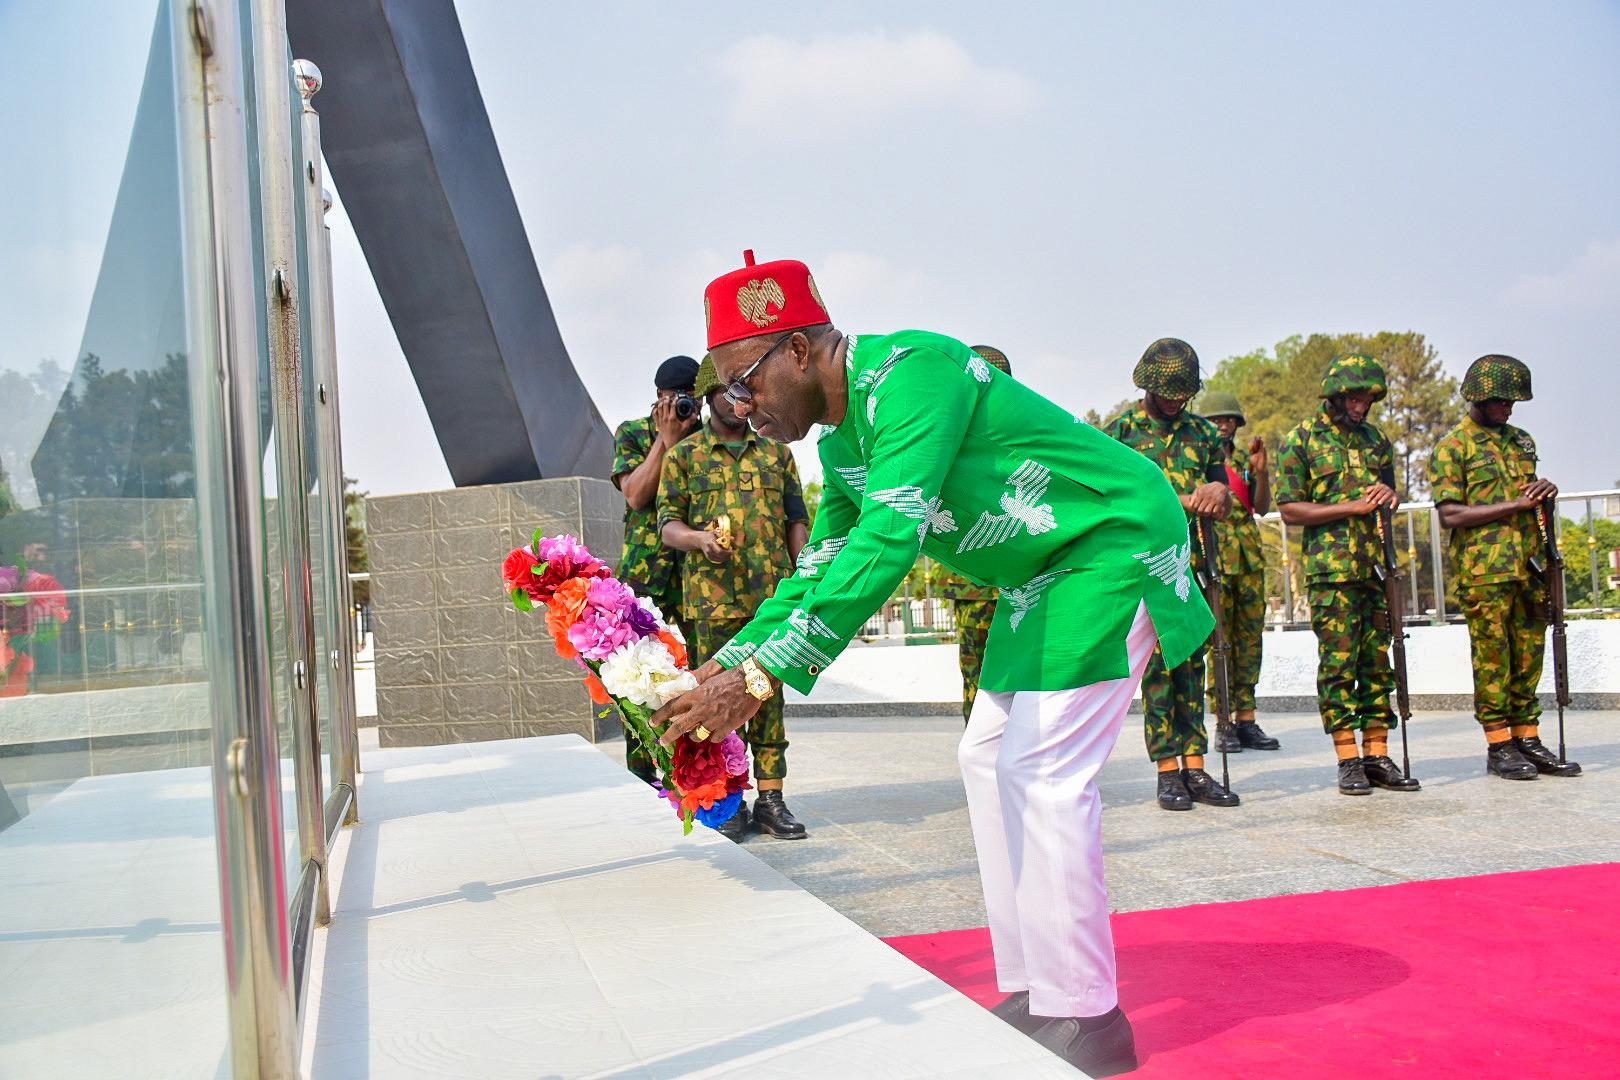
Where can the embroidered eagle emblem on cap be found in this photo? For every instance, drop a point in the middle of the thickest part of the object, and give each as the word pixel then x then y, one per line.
pixel 755 298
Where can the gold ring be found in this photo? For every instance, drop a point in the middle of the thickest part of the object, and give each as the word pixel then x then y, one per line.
pixel 703 734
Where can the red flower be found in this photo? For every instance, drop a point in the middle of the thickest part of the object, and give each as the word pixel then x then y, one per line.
pixel 563 569
pixel 518 572
pixel 698 764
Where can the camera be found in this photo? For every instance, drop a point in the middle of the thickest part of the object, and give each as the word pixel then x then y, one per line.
pixel 686 407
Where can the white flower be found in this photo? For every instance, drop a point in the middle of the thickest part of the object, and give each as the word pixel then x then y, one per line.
pixel 646 673
pixel 663 622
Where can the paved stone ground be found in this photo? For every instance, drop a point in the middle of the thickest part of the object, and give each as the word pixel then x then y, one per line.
pixel 889 844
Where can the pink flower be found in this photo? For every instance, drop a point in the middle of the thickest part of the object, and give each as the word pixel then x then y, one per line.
pixel 735 752
pixel 597 634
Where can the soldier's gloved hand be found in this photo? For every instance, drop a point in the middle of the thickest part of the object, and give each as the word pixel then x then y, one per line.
pixel 1536 492
pixel 1210 500
pixel 712 549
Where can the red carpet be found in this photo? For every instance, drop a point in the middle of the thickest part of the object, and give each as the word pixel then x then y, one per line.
pixel 1499 975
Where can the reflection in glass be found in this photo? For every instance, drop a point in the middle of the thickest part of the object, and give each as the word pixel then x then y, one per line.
pixel 108 881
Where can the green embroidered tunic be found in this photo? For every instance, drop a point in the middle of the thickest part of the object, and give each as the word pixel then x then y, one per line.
pixel 940 454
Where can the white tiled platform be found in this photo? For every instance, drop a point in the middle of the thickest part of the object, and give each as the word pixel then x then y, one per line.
pixel 526 909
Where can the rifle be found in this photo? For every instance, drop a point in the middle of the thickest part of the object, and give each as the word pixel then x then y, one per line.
pixel 1553 574
pixel 1210 583
pixel 1389 571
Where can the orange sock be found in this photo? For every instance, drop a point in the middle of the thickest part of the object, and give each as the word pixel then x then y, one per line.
pixel 1526 731
pixel 1169 764
pixel 1344 744
pixel 1497 733
pixel 1192 761
pixel 1375 742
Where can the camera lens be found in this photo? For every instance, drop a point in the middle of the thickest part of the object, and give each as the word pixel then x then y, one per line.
pixel 685 407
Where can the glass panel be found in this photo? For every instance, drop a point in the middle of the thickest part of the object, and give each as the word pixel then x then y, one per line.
pixel 279 546
pixel 110 940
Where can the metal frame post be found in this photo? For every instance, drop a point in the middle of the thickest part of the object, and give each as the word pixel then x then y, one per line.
pixel 230 500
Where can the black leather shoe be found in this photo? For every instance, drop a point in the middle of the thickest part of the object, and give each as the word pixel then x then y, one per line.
pixel 1105 1050
pixel 773 818
pixel 1205 788
pixel 1230 743
pixel 1253 737
pixel 1353 778
pixel 1173 792
pixel 1381 772
pixel 1015 1010
pixel 737 828
pixel 1503 759
pixel 1545 760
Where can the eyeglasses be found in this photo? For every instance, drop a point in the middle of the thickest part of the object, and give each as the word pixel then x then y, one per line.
pixel 738 391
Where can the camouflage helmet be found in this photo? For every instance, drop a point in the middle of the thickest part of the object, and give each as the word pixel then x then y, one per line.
pixel 708 380
pixel 995 357
pixel 1354 371
pixel 1496 376
pixel 1221 403
pixel 1168 368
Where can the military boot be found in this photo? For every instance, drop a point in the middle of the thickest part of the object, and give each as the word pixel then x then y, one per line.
pixel 773 818
pixel 1228 740
pixel 1503 759
pixel 1205 788
pixel 737 828
pixel 1381 772
pixel 1253 736
pixel 1353 778
pixel 1173 791
pixel 1545 760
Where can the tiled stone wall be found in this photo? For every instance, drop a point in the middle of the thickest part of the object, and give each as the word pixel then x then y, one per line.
pixel 455 661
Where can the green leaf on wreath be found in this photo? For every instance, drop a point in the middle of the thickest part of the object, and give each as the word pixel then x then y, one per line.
pixel 520 599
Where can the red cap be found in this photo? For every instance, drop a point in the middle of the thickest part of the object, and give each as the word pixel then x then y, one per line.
pixel 762 299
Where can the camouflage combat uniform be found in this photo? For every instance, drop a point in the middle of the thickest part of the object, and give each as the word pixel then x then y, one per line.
pixel 1324 463
pixel 647 566
pixel 1243 603
pixel 756 484
pixel 1188 450
pixel 975 607
pixel 1504 600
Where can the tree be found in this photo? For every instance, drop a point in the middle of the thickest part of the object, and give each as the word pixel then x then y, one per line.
pixel 1422 407
pixel 354 537
pixel 1101 420
pixel 812 500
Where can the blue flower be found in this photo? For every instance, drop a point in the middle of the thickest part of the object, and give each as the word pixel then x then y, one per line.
pixel 721 812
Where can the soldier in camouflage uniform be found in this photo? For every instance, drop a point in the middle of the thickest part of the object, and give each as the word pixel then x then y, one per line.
pixel 731 500
pixel 1188 449
pixel 646 565
pixel 1335 472
pixel 1486 490
pixel 975 605
pixel 1243 572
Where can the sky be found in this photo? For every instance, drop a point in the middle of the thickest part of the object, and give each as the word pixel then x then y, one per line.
pixel 1066 181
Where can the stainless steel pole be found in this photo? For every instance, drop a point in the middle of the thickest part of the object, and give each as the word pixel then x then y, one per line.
pixel 230 501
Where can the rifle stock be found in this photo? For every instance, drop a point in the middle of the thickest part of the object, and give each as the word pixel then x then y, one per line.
pixel 1395 601
pixel 1210 583
pixel 1554 574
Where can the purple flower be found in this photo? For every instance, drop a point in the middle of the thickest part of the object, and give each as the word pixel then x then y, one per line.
pixel 642 621
pixel 735 751
pixel 8 579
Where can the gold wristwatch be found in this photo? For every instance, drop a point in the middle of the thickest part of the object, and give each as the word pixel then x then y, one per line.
pixel 756 680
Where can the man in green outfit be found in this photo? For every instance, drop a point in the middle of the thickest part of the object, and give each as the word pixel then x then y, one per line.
pixel 1188 449
pixel 1243 571
pixel 646 565
pixel 730 501
pixel 1485 486
pixel 1336 471
pixel 975 605
pixel 927 449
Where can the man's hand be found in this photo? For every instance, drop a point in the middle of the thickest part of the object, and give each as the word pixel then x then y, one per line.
pixel 721 704
pixel 708 671
pixel 712 549
pixel 1210 500
pixel 1536 492
pixel 1257 455
pixel 671 429
pixel 1376 497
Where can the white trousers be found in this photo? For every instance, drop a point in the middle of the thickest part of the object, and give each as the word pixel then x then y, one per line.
pixel 1030 761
